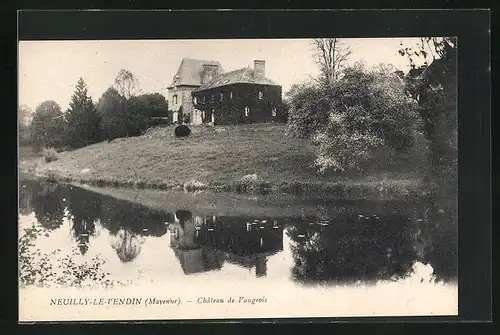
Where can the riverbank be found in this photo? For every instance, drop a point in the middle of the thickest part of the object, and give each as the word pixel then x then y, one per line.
pixel 244 159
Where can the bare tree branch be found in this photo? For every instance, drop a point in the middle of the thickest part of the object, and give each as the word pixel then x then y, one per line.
pixel 330 57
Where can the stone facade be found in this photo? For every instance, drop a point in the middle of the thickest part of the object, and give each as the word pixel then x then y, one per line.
pixel 240 103
pixel 209 95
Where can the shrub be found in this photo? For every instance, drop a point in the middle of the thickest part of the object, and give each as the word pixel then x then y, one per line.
pixel 56 269
pixel 363 113
pixel 193 185
pixel 50 155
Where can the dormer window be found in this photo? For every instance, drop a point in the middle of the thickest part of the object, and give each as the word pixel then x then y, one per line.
pixel 247 111
pixel 261 95
pixel 273 111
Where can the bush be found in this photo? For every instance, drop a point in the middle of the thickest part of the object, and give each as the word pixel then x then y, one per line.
pixel 340 149
pixel 363 113
pixel 56 269
pixel 50 155
pixel 193 185
pixel 307 110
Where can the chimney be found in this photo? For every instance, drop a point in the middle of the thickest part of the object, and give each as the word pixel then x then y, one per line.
pixel 259 68
pixel 210 71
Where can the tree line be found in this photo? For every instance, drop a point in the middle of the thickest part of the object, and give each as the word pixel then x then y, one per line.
pixel 121 111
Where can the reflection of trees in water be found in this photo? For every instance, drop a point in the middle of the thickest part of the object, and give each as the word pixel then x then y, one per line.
pixel 117 214
pixel 48 203
pixel 84 208
pixel 437 238
pixel 127 244
pixel 128 223
pixel 26 197
pixel 352 248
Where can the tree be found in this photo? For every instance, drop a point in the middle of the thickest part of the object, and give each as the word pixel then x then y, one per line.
pixel 141 109
pixel 25 113
pixel 434 88
pixel 331 56
pixel 83 119
pixel 112 108
pixel 127 84
pixel 48 126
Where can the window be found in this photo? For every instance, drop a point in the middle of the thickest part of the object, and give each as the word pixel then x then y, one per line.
pixel 221 96
pixel 273 111
pixel 175 99
pixel 230 95
pixel 204 99
pixel 261 95
pixel 213 98
pixel 195 100
pixel 247 111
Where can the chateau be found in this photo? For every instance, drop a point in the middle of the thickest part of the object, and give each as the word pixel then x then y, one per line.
pixel 201 92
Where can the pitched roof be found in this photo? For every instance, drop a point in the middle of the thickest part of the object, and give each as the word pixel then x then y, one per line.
pixel 244 75
pixel 190 70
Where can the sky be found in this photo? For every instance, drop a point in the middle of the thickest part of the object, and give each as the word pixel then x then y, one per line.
pixel 49 70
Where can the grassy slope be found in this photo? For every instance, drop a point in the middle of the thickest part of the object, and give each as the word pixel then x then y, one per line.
pixel 207 155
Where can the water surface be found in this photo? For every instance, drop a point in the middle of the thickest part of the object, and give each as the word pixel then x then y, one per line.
pixel 357 243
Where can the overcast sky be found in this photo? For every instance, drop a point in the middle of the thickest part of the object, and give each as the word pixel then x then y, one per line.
pixel 49 70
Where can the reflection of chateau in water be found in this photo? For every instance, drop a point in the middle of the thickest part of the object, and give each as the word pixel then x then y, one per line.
pixel 204 243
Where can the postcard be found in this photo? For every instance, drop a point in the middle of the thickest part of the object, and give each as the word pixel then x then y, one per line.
pixel 237 178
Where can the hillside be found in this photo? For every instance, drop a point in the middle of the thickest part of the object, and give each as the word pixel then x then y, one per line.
pixel 213 156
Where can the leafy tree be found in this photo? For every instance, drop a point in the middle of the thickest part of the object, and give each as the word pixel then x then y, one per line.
pixel 433 85
pixel 141 109
pixel 48 126
pixel 111 108
pixel 24 114
pixel 127 84
pixel 83 120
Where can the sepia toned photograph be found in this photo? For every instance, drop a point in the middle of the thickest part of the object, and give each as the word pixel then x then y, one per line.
pixel 237 178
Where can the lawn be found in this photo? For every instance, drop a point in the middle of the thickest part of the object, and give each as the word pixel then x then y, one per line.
pixel 210 155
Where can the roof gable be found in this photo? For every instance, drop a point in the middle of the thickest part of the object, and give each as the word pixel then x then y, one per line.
pixel 190 72
pixel 245 75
